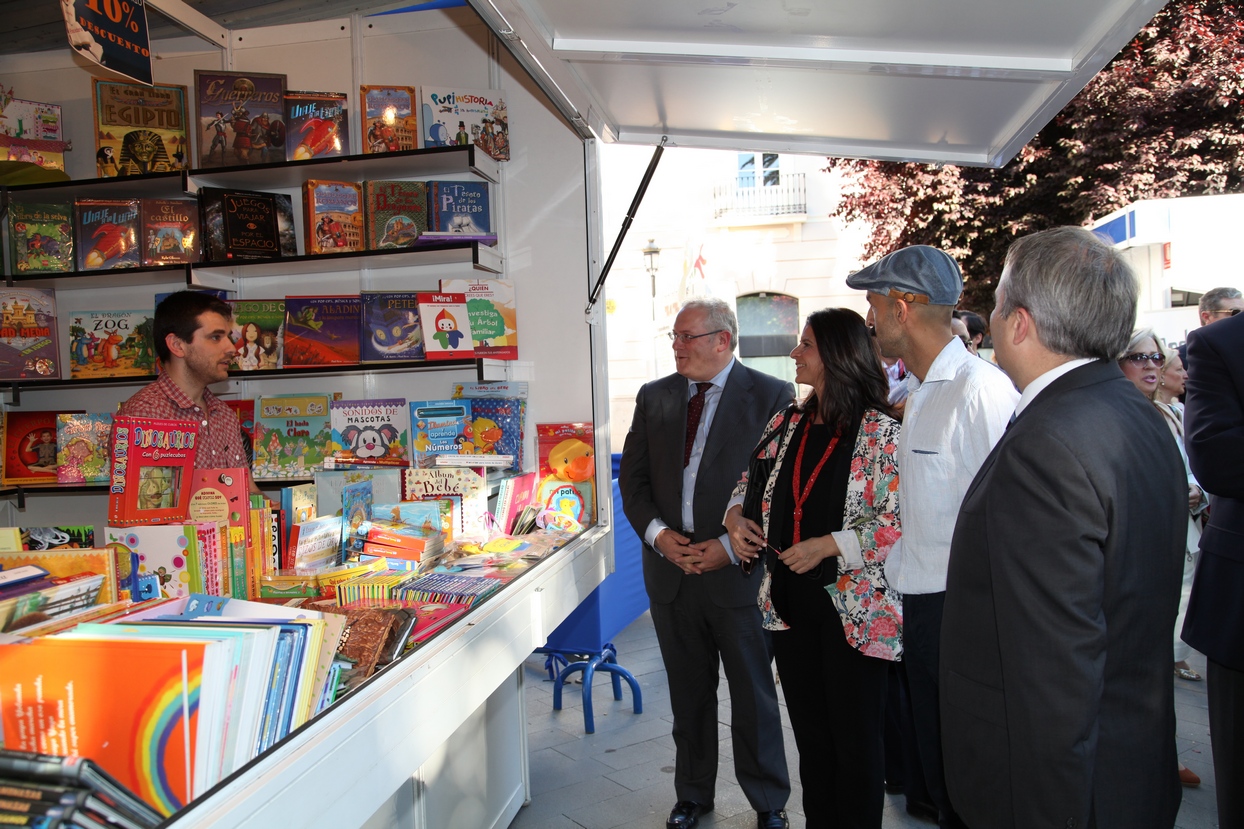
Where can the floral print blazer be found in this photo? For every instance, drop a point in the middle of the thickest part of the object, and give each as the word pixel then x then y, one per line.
pixel 871 611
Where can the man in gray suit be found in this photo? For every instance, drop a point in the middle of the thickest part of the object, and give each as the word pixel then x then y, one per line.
pixel 1057 700
pixel 689 443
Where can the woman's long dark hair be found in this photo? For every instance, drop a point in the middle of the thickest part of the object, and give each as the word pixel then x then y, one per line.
pixel 852 375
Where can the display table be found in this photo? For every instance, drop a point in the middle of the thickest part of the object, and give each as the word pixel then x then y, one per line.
pixel 439 739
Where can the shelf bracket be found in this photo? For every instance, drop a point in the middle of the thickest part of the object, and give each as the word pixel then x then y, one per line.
pixel 16 390
pixel 21 498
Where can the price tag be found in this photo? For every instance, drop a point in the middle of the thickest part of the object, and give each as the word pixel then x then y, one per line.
pixel 111 33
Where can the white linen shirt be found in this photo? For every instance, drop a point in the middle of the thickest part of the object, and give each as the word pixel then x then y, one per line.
pixel 951 422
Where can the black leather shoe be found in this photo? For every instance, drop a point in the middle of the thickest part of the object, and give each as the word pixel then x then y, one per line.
pixel 772 820
pixel 686 814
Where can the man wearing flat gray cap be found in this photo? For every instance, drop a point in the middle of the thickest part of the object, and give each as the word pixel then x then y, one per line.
pixel 957 409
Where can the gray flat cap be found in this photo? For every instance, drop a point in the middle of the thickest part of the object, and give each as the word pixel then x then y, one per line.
pixel 918 273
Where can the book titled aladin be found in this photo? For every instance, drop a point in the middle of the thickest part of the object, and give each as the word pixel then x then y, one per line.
pixel 28 343
pixel 322 330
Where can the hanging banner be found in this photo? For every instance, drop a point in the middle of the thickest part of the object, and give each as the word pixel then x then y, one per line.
pixel 112 33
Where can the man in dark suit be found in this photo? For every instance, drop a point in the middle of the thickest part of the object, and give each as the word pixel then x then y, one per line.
pixel 688 445
pixel 1057 701
pixel 1214 625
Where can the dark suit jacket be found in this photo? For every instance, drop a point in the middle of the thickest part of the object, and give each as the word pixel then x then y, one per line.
pixel 1214 438
pixel 650 475
pixel 1056 695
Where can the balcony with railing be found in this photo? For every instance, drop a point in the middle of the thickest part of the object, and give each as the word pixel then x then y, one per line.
pixel 741 198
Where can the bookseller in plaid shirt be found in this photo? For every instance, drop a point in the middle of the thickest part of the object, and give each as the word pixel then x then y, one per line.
pixel 191 332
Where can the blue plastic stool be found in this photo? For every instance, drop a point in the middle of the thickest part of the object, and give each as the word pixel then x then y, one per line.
pixel 559 667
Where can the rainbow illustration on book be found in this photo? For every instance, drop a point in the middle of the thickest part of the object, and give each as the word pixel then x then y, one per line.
pixel 166 726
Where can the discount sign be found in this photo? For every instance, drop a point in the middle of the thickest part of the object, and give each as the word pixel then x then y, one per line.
pixel 112 33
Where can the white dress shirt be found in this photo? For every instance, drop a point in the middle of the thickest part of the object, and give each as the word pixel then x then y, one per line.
pixel 711 398
pixel 951 422
pixel 1043 381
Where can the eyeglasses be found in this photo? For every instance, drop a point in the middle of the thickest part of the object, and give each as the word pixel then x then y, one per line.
pixel 686 338
pixel 746 564
pixel 1157 358
pixel 1231 312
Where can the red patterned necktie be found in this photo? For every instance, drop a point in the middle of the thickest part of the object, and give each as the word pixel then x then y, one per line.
pixel 695 408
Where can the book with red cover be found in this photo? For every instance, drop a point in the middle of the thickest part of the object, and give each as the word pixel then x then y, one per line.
pixel 29 447
pixel 152 465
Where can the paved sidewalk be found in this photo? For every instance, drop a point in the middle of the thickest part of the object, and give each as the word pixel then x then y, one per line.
pixel 622 776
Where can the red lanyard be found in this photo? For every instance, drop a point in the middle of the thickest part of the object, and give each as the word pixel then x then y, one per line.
pixel 801 499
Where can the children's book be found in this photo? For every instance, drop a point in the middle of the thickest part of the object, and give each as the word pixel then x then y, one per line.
pixel 29 447
pixel 292 434
pixel 80 537
pixel 224 495
pixel 317 125
pixel 297 507
pixel 152 467
pixel 356 501
pixel 28 341
pixel 459 208
pixel 64 561
pixel 111 344
pixel 170 231
pixel 258 333
pixel 396 213
pixel 164 553
pixel 239 118
pixel 239 224
pixel 447 326
pixel 439 427
pixel 82 448
pixel 568 469
pixel 316 544
pixel 132 705
pixel 513 496
pixel 389 119
pixel 493 314
pixel 108 233
pixel 139 129
pixel 386 486
pixel 430 516
pixel 244 408
pixel 369 433
pixel 461 117
pixel 322 330
pixel 41 237
pixel 121 806
pixel 499 427
pixel 332 216
pixel 389 327
pixel 468 483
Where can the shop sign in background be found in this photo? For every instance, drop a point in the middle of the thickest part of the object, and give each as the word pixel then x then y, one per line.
pixel 112 33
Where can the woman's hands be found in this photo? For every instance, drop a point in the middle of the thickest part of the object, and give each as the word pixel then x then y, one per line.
pixel 809 553
pixel 746 537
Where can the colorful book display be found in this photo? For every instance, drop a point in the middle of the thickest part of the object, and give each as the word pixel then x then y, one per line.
pixel 498 426
pixel 316 544
pixel 369 433
pixel 259 333
pixel 493 313
pixel 321 330
pixel 152 463
pixel 396 213
pixel 139 129
pixel 29 447
pixel 82 448
pixel 439 427
pixel 41 237
pixel 389 328
pixel 389 120
pixel 163 556
pixel 459 209
pixel 317 125
pixel 239 224
pixel 240 118
pixel 461 117
pixel 292 433
pixel 108 233
pixel 80 537
pixel 111 344
pixel 333 216
pixel 170 231
pixel 568 469
pixel 447 326
pixel 28 343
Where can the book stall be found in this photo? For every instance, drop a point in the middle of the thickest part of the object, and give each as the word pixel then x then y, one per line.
pixel 343 649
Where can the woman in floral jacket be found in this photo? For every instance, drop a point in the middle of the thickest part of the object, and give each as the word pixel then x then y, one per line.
pixel 828 518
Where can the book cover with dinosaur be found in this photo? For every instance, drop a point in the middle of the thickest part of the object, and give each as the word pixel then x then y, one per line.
pixel 111 344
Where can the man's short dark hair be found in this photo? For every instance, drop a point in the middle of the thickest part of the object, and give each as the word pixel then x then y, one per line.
pixel 974 322
pixel 178 314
